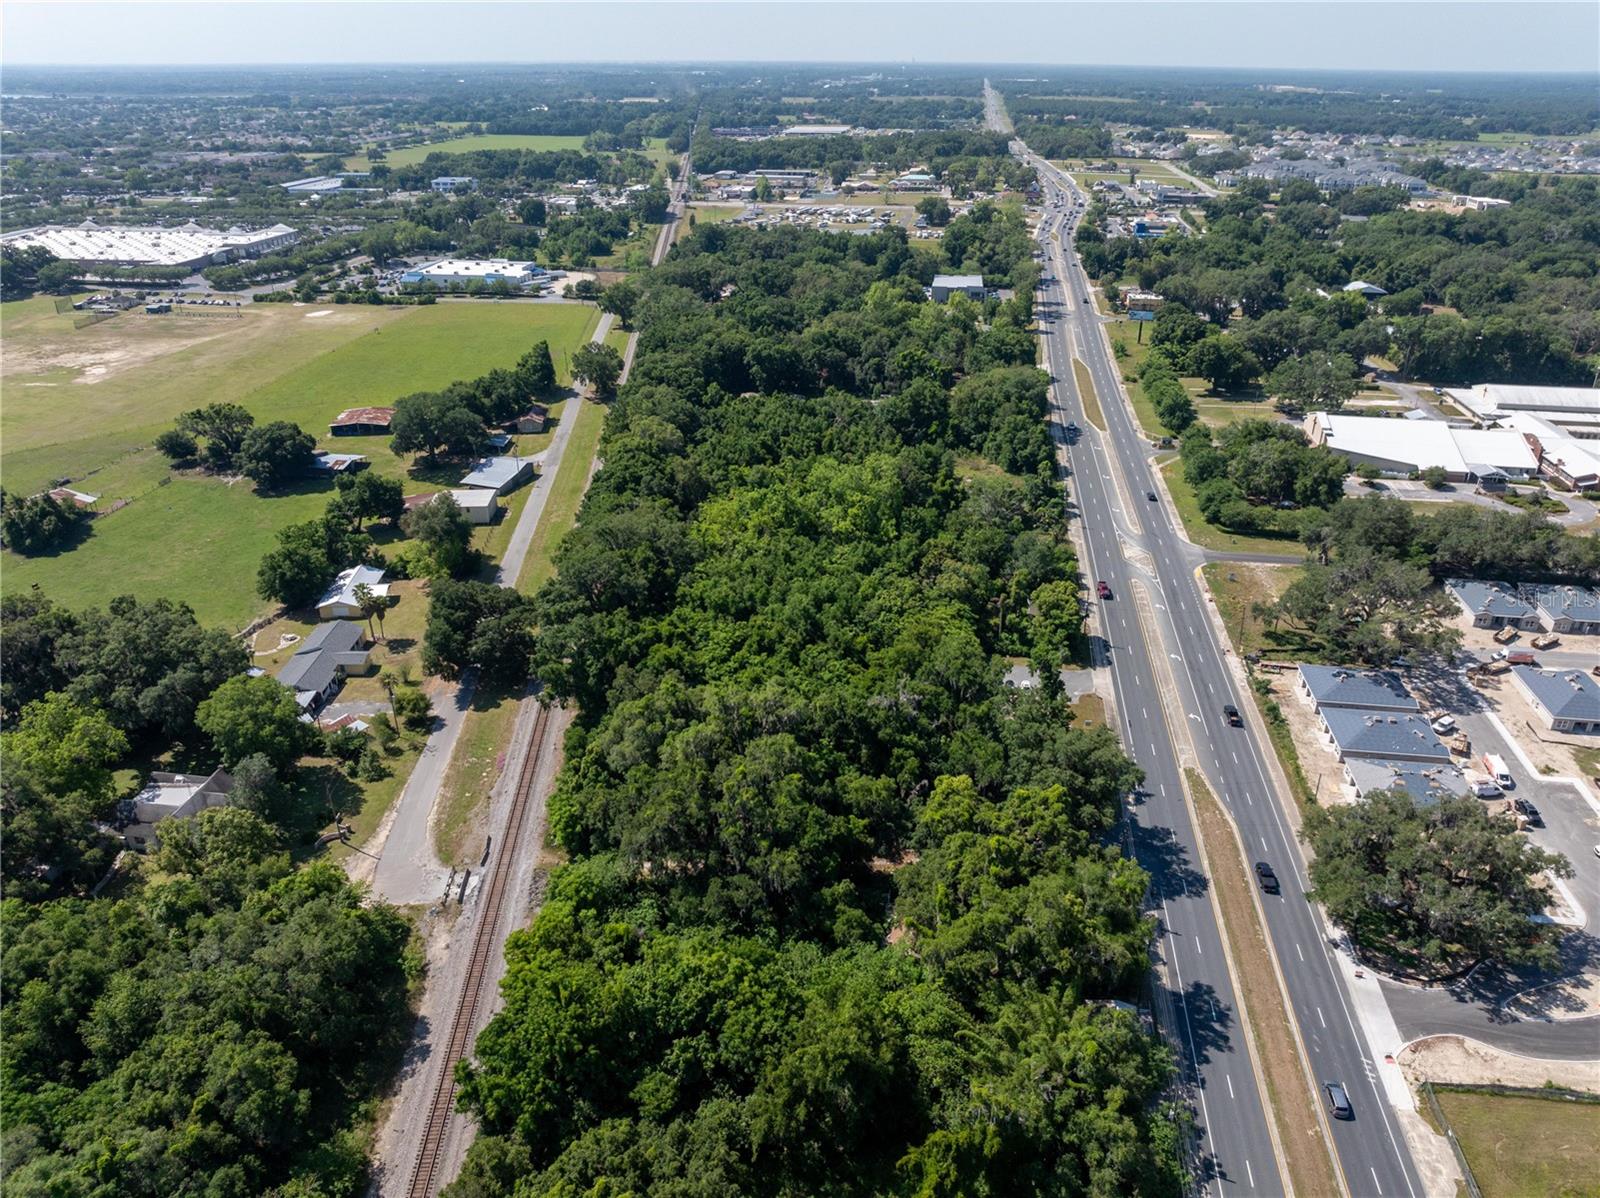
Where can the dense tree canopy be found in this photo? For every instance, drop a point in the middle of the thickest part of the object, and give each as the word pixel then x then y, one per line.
pixel 209 1035
pixel 838 899
pixel 1444 884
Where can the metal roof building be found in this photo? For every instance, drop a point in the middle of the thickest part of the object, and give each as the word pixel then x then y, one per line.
pixel 187 245
pixel 1426 784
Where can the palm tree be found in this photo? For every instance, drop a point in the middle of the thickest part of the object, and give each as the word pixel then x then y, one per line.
pixel 370 603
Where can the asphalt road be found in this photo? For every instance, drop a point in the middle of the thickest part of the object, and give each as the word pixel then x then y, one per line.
pixel 1146 545
pixel 1200 1009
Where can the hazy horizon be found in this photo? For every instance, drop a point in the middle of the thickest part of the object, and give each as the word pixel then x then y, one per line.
pixel 1420 36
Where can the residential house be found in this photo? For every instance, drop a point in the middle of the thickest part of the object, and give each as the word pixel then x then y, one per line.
pixel 330 654
pixel 1345 686
pixel 168 796
pixel 338 602
pixel 1572 610
pixel 480 504
pixel 1493 604
pixel 1566 700
pixel 531 421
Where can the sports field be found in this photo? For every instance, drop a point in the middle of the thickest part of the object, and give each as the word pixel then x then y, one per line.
pixel 85 405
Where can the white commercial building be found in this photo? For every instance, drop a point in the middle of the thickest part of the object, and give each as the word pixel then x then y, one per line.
pixel 1574 410
pixel 447 271
pixel 1403 446
pixel 188 245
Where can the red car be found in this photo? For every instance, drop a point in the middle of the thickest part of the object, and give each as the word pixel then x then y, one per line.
pixel 1101 589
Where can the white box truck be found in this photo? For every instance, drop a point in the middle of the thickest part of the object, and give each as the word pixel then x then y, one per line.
pixel 1495 766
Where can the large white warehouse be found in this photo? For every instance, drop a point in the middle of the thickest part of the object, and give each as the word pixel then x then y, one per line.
pixel 188 245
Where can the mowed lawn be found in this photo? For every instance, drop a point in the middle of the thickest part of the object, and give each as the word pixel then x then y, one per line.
pixel 199 539
pixel 411 155
pixel 1527 1147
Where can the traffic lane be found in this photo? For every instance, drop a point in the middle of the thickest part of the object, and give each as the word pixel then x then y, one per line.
pixel 1239 1145
pixel 1343 1049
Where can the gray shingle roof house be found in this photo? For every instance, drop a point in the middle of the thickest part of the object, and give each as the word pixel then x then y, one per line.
pixel 169 796
pixel 1426 784
pixel 330 654
pixel 1493 604
pixel 1570 609
pixel 1567 700
pixel 1347 686
pixel 499 475
pixel 1400 735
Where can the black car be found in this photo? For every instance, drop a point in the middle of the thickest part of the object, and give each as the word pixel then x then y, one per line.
pixel 1528 812
pixel 1150 495
pixel 1231 714
pixel 1268 879
pixel 1338 1101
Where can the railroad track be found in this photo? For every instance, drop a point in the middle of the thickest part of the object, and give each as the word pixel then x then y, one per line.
pixel 485 942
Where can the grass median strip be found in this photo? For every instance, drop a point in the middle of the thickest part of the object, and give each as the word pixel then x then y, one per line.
pixel 1288 1089
pixel 1091 401
pixel 566 495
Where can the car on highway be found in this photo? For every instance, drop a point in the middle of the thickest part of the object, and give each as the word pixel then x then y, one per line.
pixel 1151 496
pixel 1338 1101
pixel 1265 876
pixel 1102 589
pixel 1231 714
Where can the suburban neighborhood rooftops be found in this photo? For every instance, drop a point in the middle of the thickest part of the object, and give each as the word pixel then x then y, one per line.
pixel 1426 784
pixel 1403 735
pixel 1565 694
pixel 1344 686
pixel 1489 598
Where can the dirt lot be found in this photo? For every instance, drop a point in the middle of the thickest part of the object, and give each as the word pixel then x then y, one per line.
pixel 1323 771
pixel 1469 1062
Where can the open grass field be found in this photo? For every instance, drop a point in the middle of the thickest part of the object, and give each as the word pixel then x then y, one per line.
pixel 655 150
pixel 85 405
pixel 1527 1147
pixel 411 155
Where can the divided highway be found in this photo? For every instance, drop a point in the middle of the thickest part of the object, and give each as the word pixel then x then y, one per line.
pixel 1134 547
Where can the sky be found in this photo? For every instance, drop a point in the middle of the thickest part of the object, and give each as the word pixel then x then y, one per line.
pixel 1305 34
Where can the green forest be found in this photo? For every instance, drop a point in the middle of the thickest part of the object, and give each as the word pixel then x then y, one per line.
pixel 840 914
pixel 1511 294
